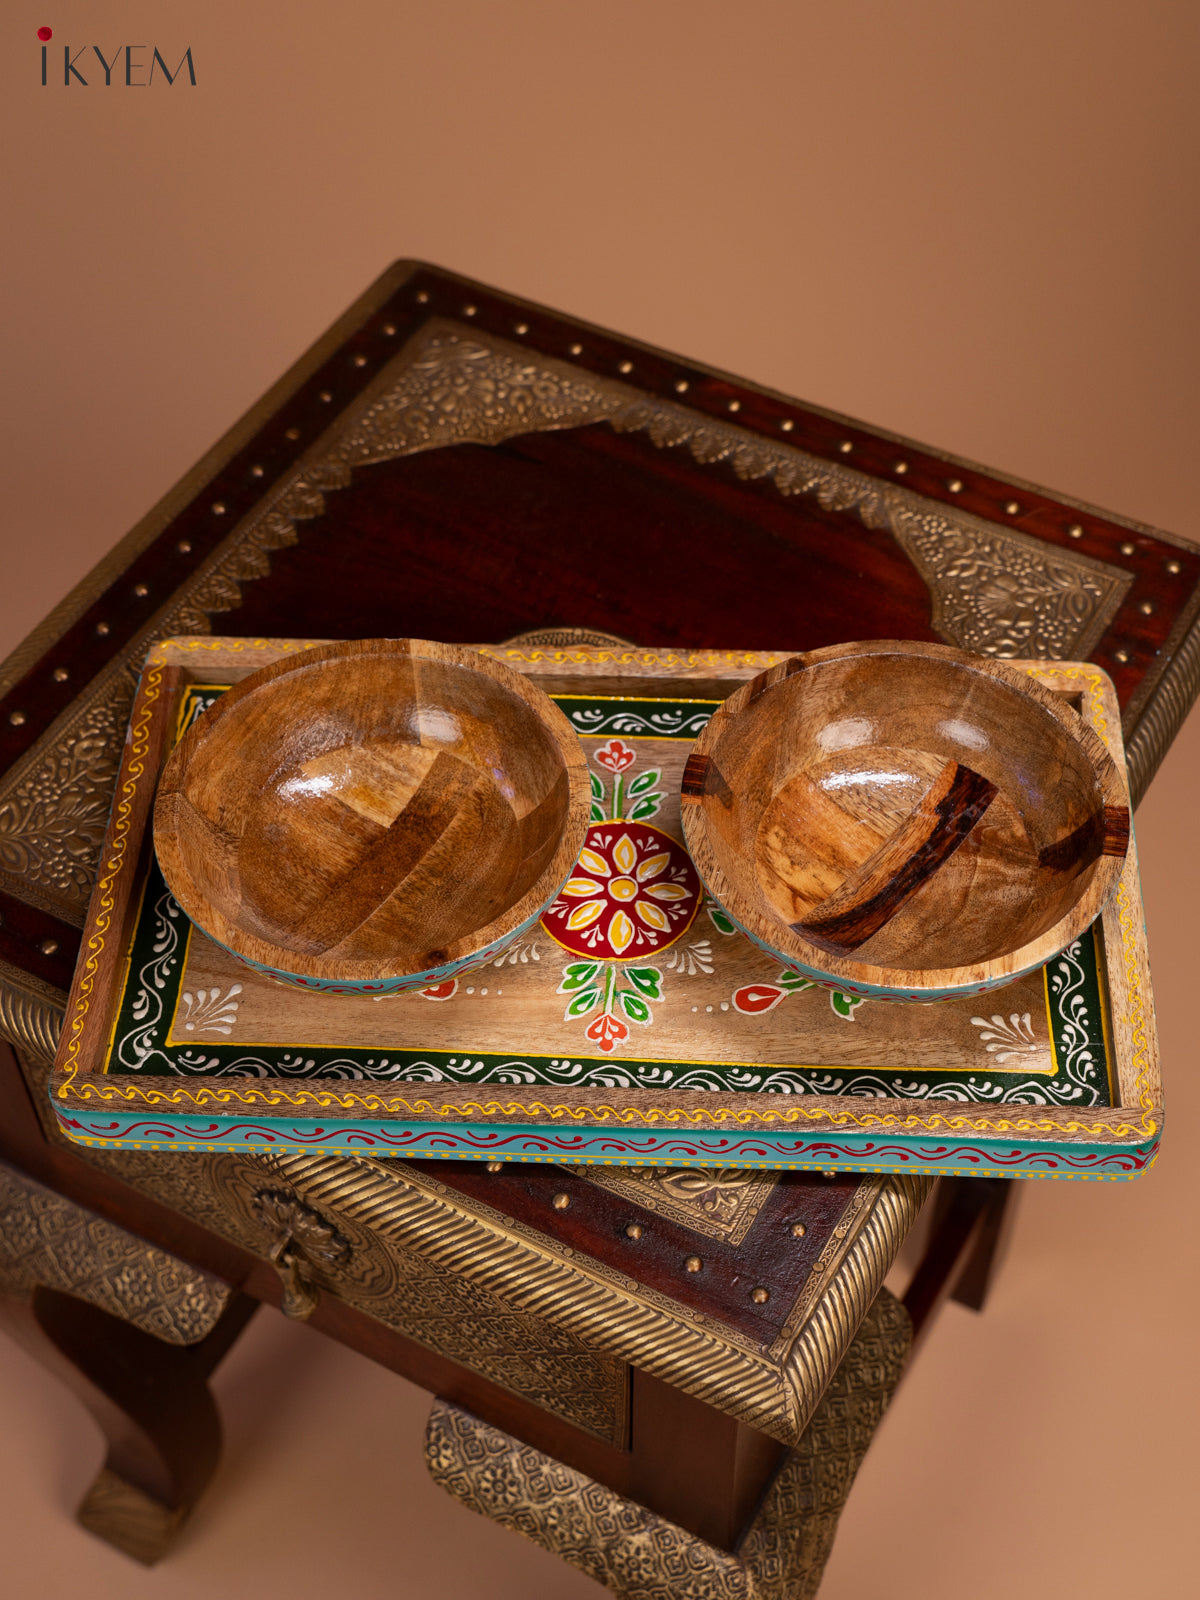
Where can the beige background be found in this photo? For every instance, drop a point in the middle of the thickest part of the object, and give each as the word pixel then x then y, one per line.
pixel 973 224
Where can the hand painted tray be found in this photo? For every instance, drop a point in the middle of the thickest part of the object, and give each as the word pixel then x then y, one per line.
pixel 644 1031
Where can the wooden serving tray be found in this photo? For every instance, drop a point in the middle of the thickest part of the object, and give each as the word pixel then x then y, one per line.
pixel 643 1034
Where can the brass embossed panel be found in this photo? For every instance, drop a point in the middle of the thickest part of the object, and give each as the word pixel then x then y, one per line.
pixel 465 1321
pixel 719 1202
pixel 49 1241
pixel 519 1271
pixel 638 1555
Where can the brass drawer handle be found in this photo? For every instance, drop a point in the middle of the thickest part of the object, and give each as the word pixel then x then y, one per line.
pixel 302 1240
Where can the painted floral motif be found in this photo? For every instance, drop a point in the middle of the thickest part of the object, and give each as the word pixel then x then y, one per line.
pixel 719 919
pixel 615 755
pixel 696 956
pixel 524 952
pixel 634 892
pixel 446 990
pixel 634 800
pixel 755 998
pixel 609 998
pixel 1007 1041
pixel 207 1011
pixel 624 989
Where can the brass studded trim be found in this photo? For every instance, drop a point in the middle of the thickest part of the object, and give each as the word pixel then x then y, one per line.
pixel 718 1202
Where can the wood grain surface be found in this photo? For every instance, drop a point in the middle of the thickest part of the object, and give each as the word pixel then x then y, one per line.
pixel 373 809
pixel 905 816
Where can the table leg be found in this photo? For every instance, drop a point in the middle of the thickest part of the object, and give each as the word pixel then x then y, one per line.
pixel 639 1555
pixel 135 1333
pixel 150 1400
pixel 974 1282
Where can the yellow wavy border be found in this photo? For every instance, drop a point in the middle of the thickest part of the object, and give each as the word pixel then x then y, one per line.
pixel 1135 1015
pixel 638 657
pixel 159 654
pixel 328 1100
pixel 139 743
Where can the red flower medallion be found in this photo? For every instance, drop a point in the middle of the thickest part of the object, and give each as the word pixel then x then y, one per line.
pixel 634 891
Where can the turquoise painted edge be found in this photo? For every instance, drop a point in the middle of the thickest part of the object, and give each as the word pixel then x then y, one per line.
pixel 599 1146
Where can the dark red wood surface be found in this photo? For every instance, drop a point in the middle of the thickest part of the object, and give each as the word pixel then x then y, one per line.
pixel 584 528
pixel 37 941
pixel 579 528
pixel 593 1222
pixel 1156 599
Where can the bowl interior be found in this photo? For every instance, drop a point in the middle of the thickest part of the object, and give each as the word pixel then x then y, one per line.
pixel 905 811
pixel 374 806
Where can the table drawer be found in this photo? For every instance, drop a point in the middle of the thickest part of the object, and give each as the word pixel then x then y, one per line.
pixel 322 1247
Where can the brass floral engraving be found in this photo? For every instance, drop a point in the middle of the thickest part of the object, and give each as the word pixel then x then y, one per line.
pixel 48 1240
pixel 638 1555
pixel 302 1238
pixel 285 1217
pixel 54 802
pixel 719 1202
pixel 993 590
pixel 396 1209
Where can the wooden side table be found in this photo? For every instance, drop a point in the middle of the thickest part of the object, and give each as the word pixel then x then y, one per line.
pixel 451 463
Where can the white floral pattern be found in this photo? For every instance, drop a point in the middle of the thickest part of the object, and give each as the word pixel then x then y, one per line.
pixel 207 1011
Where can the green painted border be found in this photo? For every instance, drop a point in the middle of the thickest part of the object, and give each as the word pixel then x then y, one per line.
pixel 626 716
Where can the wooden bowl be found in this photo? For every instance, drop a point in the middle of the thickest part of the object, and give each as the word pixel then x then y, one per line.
pixel 904 821
pixel 372 816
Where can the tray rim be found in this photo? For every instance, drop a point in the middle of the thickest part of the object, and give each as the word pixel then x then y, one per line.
pixel 78 1087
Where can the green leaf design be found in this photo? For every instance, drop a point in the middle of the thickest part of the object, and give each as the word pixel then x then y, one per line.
pixel 597 786
pixel 634 1007
pixel 646 979
pixel 597 813
pixel 793 982
pixel 577 974
pixel 718 919
pixel 647 806
pixel 583 1002
pixel 844 1004
pixel 644 781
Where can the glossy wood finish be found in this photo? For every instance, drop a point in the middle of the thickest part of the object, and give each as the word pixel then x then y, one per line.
pixel 605 531
pixel 581 526
pixel 905 818
pixel 523 1012
pixel 372 811
pixel 539 531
